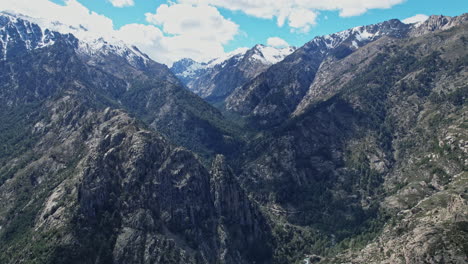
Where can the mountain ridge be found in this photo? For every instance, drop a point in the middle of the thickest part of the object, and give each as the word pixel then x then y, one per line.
pixel 218 78
pixel 143 87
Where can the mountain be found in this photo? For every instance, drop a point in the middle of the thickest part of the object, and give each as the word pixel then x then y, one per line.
pixel 273 95
pixel 132 81
pixel 218 78
pixel 372 166
pixel 356 150
pixel 83 180
pixel 21 33
pixel 329 69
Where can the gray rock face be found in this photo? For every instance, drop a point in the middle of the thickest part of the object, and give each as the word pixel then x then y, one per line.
pixel 242 223
pixel 159 193
pixel 436 23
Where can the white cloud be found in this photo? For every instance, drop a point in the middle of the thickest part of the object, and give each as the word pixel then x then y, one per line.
pixel 301 20
pixel 188 28
pixel 415 19
pixel 122 3
pixel 202 22
pixel 300 14
pixel 277 42
pixel 72 13
pixel 195 32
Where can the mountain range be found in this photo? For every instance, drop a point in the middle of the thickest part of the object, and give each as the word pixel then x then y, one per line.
pixel 218 78
pixel 350 149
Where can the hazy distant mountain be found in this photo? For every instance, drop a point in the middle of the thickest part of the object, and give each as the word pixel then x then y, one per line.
pixel 218 78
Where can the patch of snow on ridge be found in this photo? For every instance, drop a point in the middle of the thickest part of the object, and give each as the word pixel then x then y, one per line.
pixel 240 52
pixel 31 35
pixel 192 69
pixel 362 34
pixel 88 43
pixel 270 55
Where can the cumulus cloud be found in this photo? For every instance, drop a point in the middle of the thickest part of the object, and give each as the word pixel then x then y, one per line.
pixel 197 32
pixel 72 13
pixel 202 22
pixel 300 14
pixel 277 42
pixel 188 28
pixel 415 19
pixel 302 20
pixel 122 3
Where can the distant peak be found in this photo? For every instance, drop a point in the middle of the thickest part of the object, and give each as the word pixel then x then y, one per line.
pixel 361 35
pixel 32 33
pixel 269 55
pixel 438 22
pixel 259 46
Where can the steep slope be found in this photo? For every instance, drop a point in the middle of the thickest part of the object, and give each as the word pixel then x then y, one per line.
pixel 133 81
pixel 379 159
pixel 274 94
pixel 217 79
pixel 334 74
pixel 82 181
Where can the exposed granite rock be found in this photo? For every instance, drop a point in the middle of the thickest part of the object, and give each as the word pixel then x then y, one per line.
pixel 242 223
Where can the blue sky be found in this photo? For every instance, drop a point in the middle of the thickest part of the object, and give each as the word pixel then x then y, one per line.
pixel 169 30
pixel 258 30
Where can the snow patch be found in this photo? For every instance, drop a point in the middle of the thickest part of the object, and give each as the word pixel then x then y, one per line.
pixel 88 43
pixel 271 55
pixel 24 31
pixel 239 53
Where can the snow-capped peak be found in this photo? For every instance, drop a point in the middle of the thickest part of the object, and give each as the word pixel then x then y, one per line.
pixel 238 53
pixel 18 34
pixel 186 68
pixel 40 32
pixel 266 55
pixel 359 36
pixel 270 55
